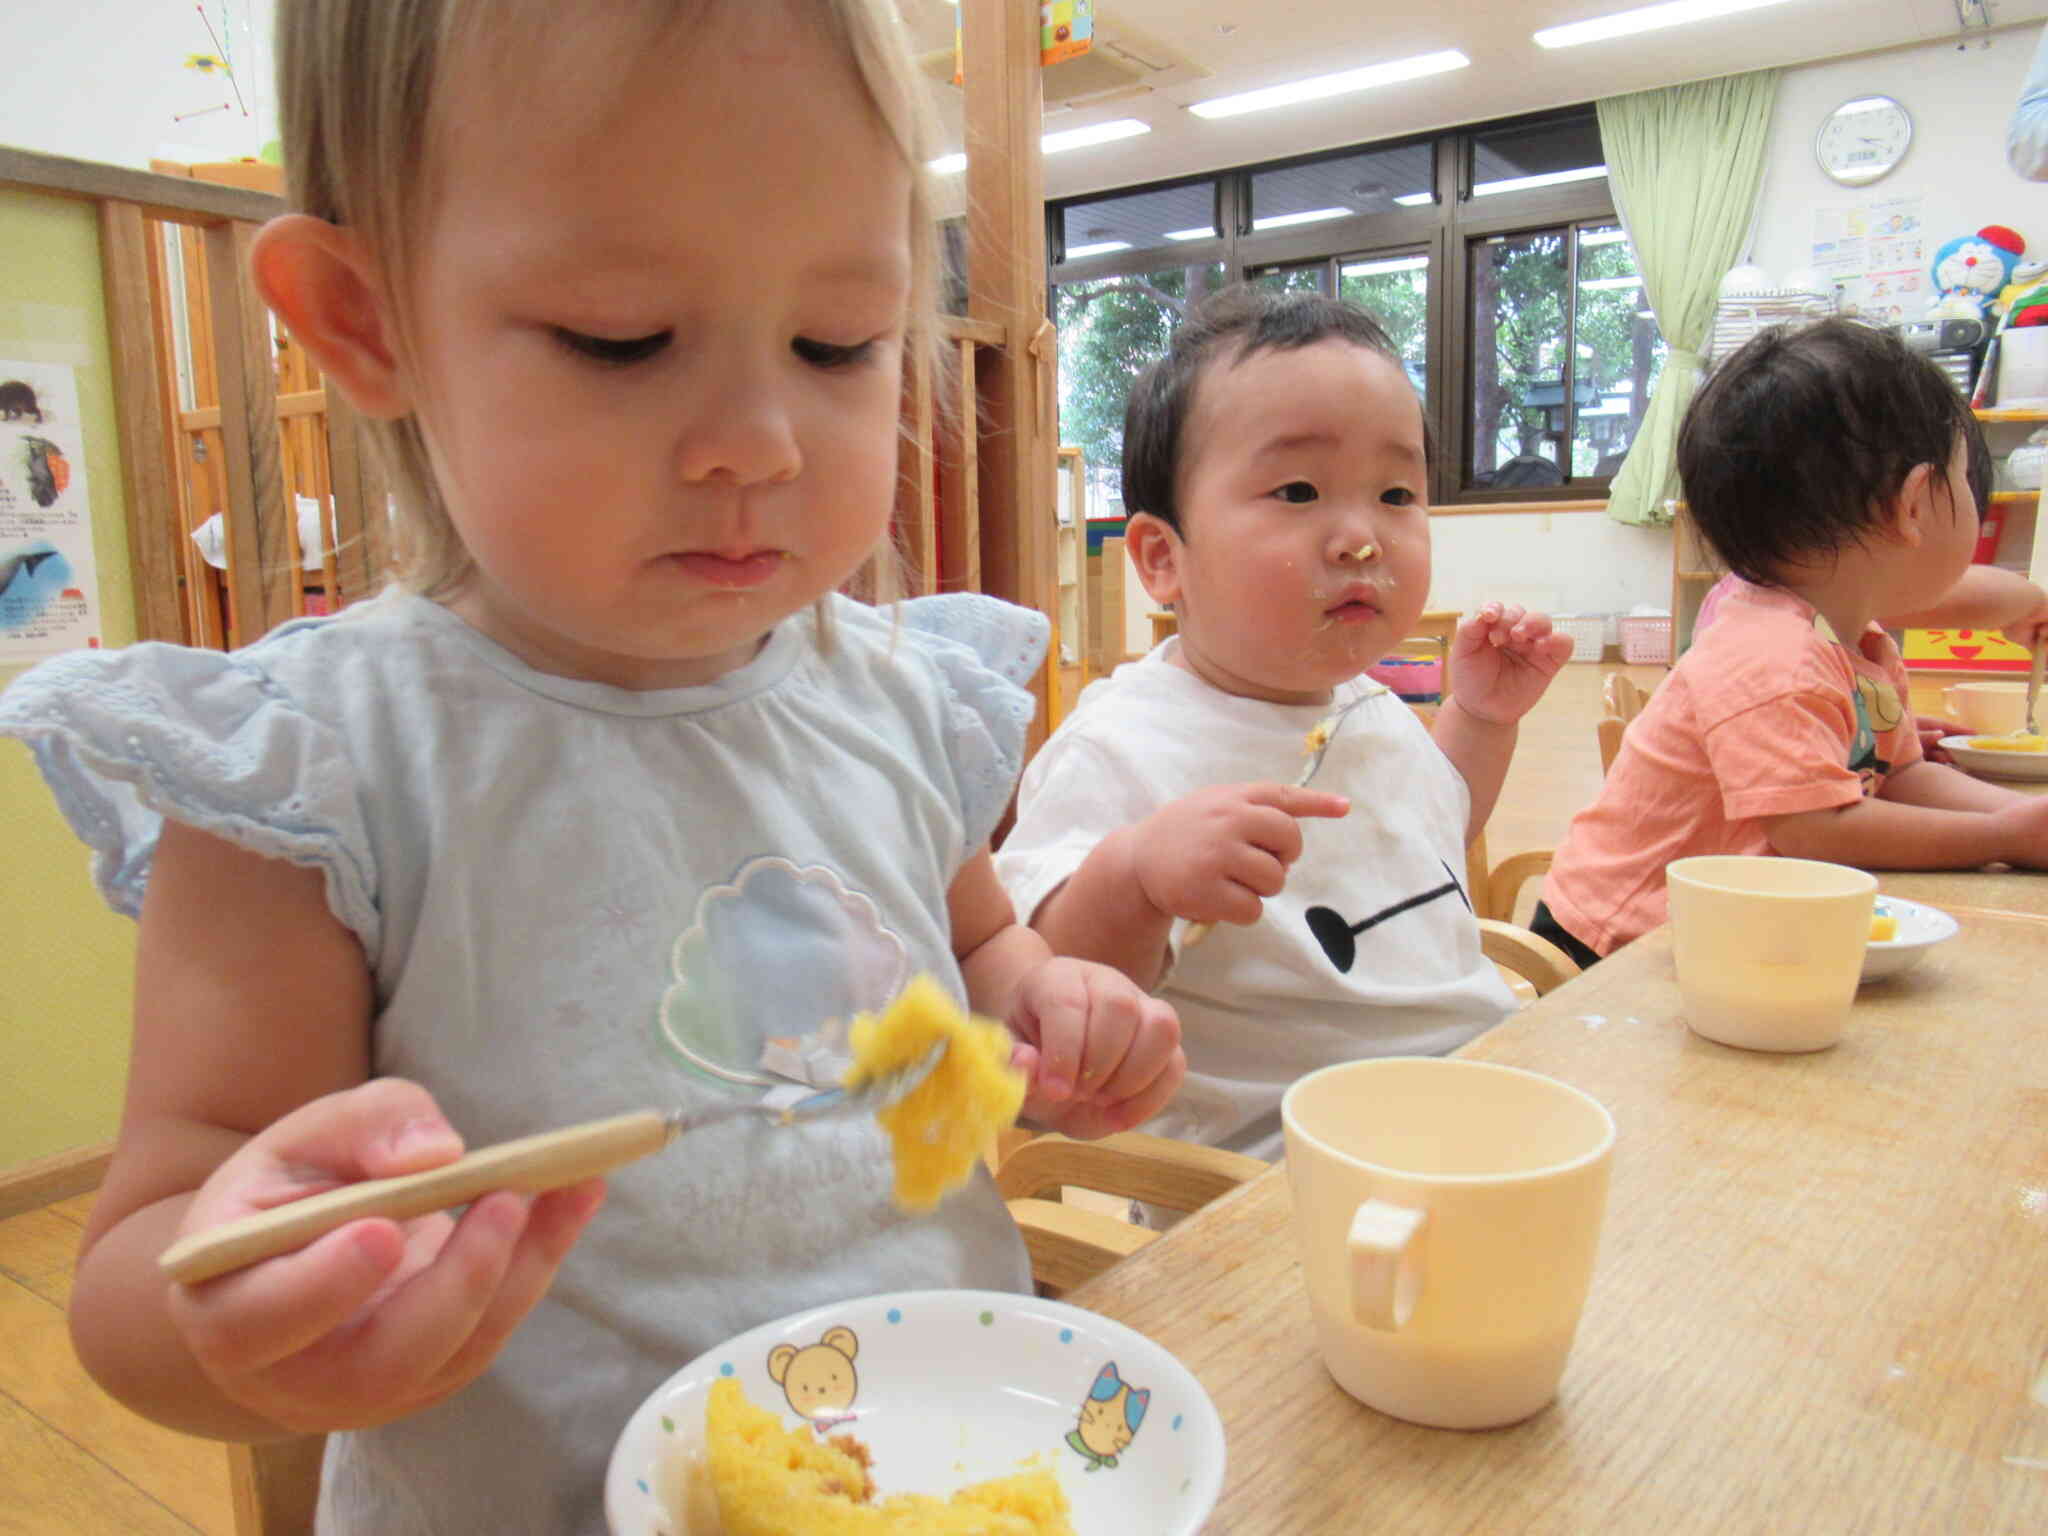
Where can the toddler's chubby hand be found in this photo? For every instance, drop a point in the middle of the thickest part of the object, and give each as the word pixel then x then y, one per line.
pixel 1502 660
pixel 1211 856
pixel 1102 1055
pixel 376 1319
pixel 2027 624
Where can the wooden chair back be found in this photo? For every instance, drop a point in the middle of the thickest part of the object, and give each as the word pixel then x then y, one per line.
pixel 1071 1243
pixel 274 1487
pixel 1623 699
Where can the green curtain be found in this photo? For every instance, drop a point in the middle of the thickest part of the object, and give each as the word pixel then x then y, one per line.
pixel 1685 164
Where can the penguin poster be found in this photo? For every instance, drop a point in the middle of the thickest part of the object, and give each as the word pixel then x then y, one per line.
pixel 49 592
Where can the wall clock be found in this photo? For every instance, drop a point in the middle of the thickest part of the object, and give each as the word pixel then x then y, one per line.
pixel 1863 139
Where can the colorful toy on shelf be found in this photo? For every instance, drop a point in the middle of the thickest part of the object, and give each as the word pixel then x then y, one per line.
pixel 1971 270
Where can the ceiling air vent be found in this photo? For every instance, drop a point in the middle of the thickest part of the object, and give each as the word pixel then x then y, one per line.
pixel 1123 62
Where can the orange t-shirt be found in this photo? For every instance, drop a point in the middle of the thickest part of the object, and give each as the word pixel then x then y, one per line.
pixel 1766 715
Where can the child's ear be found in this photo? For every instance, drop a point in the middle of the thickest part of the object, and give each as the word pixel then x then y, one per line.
pixel 1155 549
pixel 319 281
pixel 1915 504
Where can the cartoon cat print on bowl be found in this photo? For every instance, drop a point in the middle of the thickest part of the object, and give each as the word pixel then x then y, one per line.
pixel 1109 1419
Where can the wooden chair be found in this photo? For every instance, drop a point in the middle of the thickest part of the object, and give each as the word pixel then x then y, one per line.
pixel 1624 700
pixel 1071 1243
pixel 1530 956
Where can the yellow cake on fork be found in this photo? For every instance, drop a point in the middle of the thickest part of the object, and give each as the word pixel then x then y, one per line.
pixel 942 1127
pixel 765 1480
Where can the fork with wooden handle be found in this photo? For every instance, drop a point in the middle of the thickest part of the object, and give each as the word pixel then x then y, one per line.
pixel 530 1165
pixel 1318 745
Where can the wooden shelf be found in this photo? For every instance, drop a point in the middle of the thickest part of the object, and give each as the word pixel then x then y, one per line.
pixel 2013 498
pixel 1706 576
pixel 1997 414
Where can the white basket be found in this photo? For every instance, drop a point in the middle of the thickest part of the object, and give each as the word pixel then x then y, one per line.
pixel 1739 316
pixel 1645 638
pixel 1588 633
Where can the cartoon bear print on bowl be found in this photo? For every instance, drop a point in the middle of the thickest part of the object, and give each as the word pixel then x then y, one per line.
pixel 819 1379
pixel 1109 1419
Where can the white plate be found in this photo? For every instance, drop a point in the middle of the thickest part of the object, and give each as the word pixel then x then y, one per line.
pixel 1995 764
pixel 949 1388
pixel 1920 929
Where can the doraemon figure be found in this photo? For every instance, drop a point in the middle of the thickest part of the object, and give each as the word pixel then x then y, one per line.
pixel 1971 270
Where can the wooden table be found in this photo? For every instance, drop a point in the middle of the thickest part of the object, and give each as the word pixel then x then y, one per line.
pixel 1821 1303
pixel 2008 890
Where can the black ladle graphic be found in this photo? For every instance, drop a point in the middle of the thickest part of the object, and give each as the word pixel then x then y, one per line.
pixel 1340 938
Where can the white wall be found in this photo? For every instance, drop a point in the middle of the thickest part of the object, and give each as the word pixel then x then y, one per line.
pixel 1960 99
pixel 106 80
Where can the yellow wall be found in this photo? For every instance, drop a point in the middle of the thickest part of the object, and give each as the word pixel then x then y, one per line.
pixel 66 962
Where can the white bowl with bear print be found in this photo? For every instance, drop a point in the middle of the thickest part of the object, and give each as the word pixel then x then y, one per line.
pixel 947 1388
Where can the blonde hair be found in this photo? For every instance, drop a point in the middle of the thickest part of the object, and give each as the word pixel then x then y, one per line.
pixel 357 83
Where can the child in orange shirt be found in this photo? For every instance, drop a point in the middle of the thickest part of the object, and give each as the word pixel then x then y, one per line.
pixel 1827 466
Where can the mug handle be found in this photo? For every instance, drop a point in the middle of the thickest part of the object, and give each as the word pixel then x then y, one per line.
pixel 1386 1264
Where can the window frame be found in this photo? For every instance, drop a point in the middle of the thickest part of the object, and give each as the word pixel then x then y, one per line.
pixel 1444 230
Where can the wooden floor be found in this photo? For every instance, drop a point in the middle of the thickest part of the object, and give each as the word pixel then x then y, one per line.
pixel 74 1463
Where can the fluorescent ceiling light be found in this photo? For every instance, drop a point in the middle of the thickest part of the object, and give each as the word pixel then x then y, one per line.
pixel 1333 85
pixel 1055 143
pixel 1612 282
pixel 1552 179
pixel 1076 252
pixel 1602 237
pixel 1648 18
pixel 1098 133
pixel 1206 232
pixel 1415 199
pixel 1391 264
pixel 1313 216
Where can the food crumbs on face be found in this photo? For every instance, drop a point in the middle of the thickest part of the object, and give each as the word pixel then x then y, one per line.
pixel 768 1480
pixel 947 1123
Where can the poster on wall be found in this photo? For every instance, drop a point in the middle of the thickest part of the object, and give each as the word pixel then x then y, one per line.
pixel 49 590
pixel 1874 255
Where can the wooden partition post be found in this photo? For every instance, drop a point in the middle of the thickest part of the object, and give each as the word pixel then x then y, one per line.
pixel 1006 287
pixel 149 476
pixel 258 545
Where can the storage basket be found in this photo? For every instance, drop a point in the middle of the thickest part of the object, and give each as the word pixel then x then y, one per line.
pixel 1645 638
pixel 1739 316
pixel 1588 633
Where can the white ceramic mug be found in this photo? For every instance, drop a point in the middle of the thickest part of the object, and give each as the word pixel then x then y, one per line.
pixel 1447 1213
pixel 1769 950
pixel 1989 709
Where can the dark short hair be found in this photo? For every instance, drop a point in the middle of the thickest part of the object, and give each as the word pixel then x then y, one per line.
pixel 1250 319
pixel 1796 444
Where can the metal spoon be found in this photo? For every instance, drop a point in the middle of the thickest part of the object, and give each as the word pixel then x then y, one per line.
pixel 2034 686
pixel 531 1164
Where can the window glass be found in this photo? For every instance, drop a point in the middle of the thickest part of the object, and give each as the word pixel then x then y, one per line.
pixel 1517 357
pixel 1394 290
pixel 1139 221
pixel 1341 186
pixel 1110 328
pixel 1618 351
pixel 1301 277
